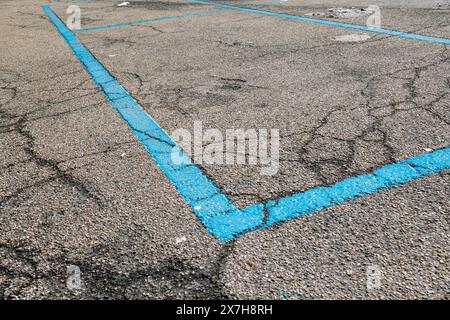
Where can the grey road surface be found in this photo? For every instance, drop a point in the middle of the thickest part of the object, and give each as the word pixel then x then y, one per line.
pixel 78 191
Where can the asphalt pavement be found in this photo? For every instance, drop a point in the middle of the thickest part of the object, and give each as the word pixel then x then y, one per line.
pixel 78 189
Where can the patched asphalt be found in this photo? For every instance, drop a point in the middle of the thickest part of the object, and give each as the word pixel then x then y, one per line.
pixel 77 188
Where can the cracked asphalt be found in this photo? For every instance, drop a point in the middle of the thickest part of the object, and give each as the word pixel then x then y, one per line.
pixel 78 188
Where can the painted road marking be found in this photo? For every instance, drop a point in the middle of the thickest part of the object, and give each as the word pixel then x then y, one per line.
pixel 217 213
pixel 183 15
pixel 194 186
pixel 390 32
pixel 387 176
pixel 123 24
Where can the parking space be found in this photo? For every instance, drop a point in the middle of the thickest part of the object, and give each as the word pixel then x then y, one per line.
pixel 349 105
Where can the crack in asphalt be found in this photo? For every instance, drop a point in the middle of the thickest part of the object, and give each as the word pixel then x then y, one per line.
pixel 104 281
pixel 19 126
pixel 172 98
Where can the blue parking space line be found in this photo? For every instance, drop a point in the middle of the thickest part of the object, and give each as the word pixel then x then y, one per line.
pixel 217 213
pixel 390 32
pixel 387 176
pixel 183 15
pixel 123 24
pixel 199 192
pixel 317 198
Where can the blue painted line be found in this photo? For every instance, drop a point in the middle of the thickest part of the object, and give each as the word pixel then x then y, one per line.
pixel 183 15
pixel 225 227
pixel 199 192
pixel 221 217
pixel 123 24
pixel 395 33
pixel 387 176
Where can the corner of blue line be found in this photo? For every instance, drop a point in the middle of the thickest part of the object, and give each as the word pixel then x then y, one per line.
pixel 217 213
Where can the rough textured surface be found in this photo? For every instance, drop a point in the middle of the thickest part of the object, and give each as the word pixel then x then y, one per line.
pixel 77 188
